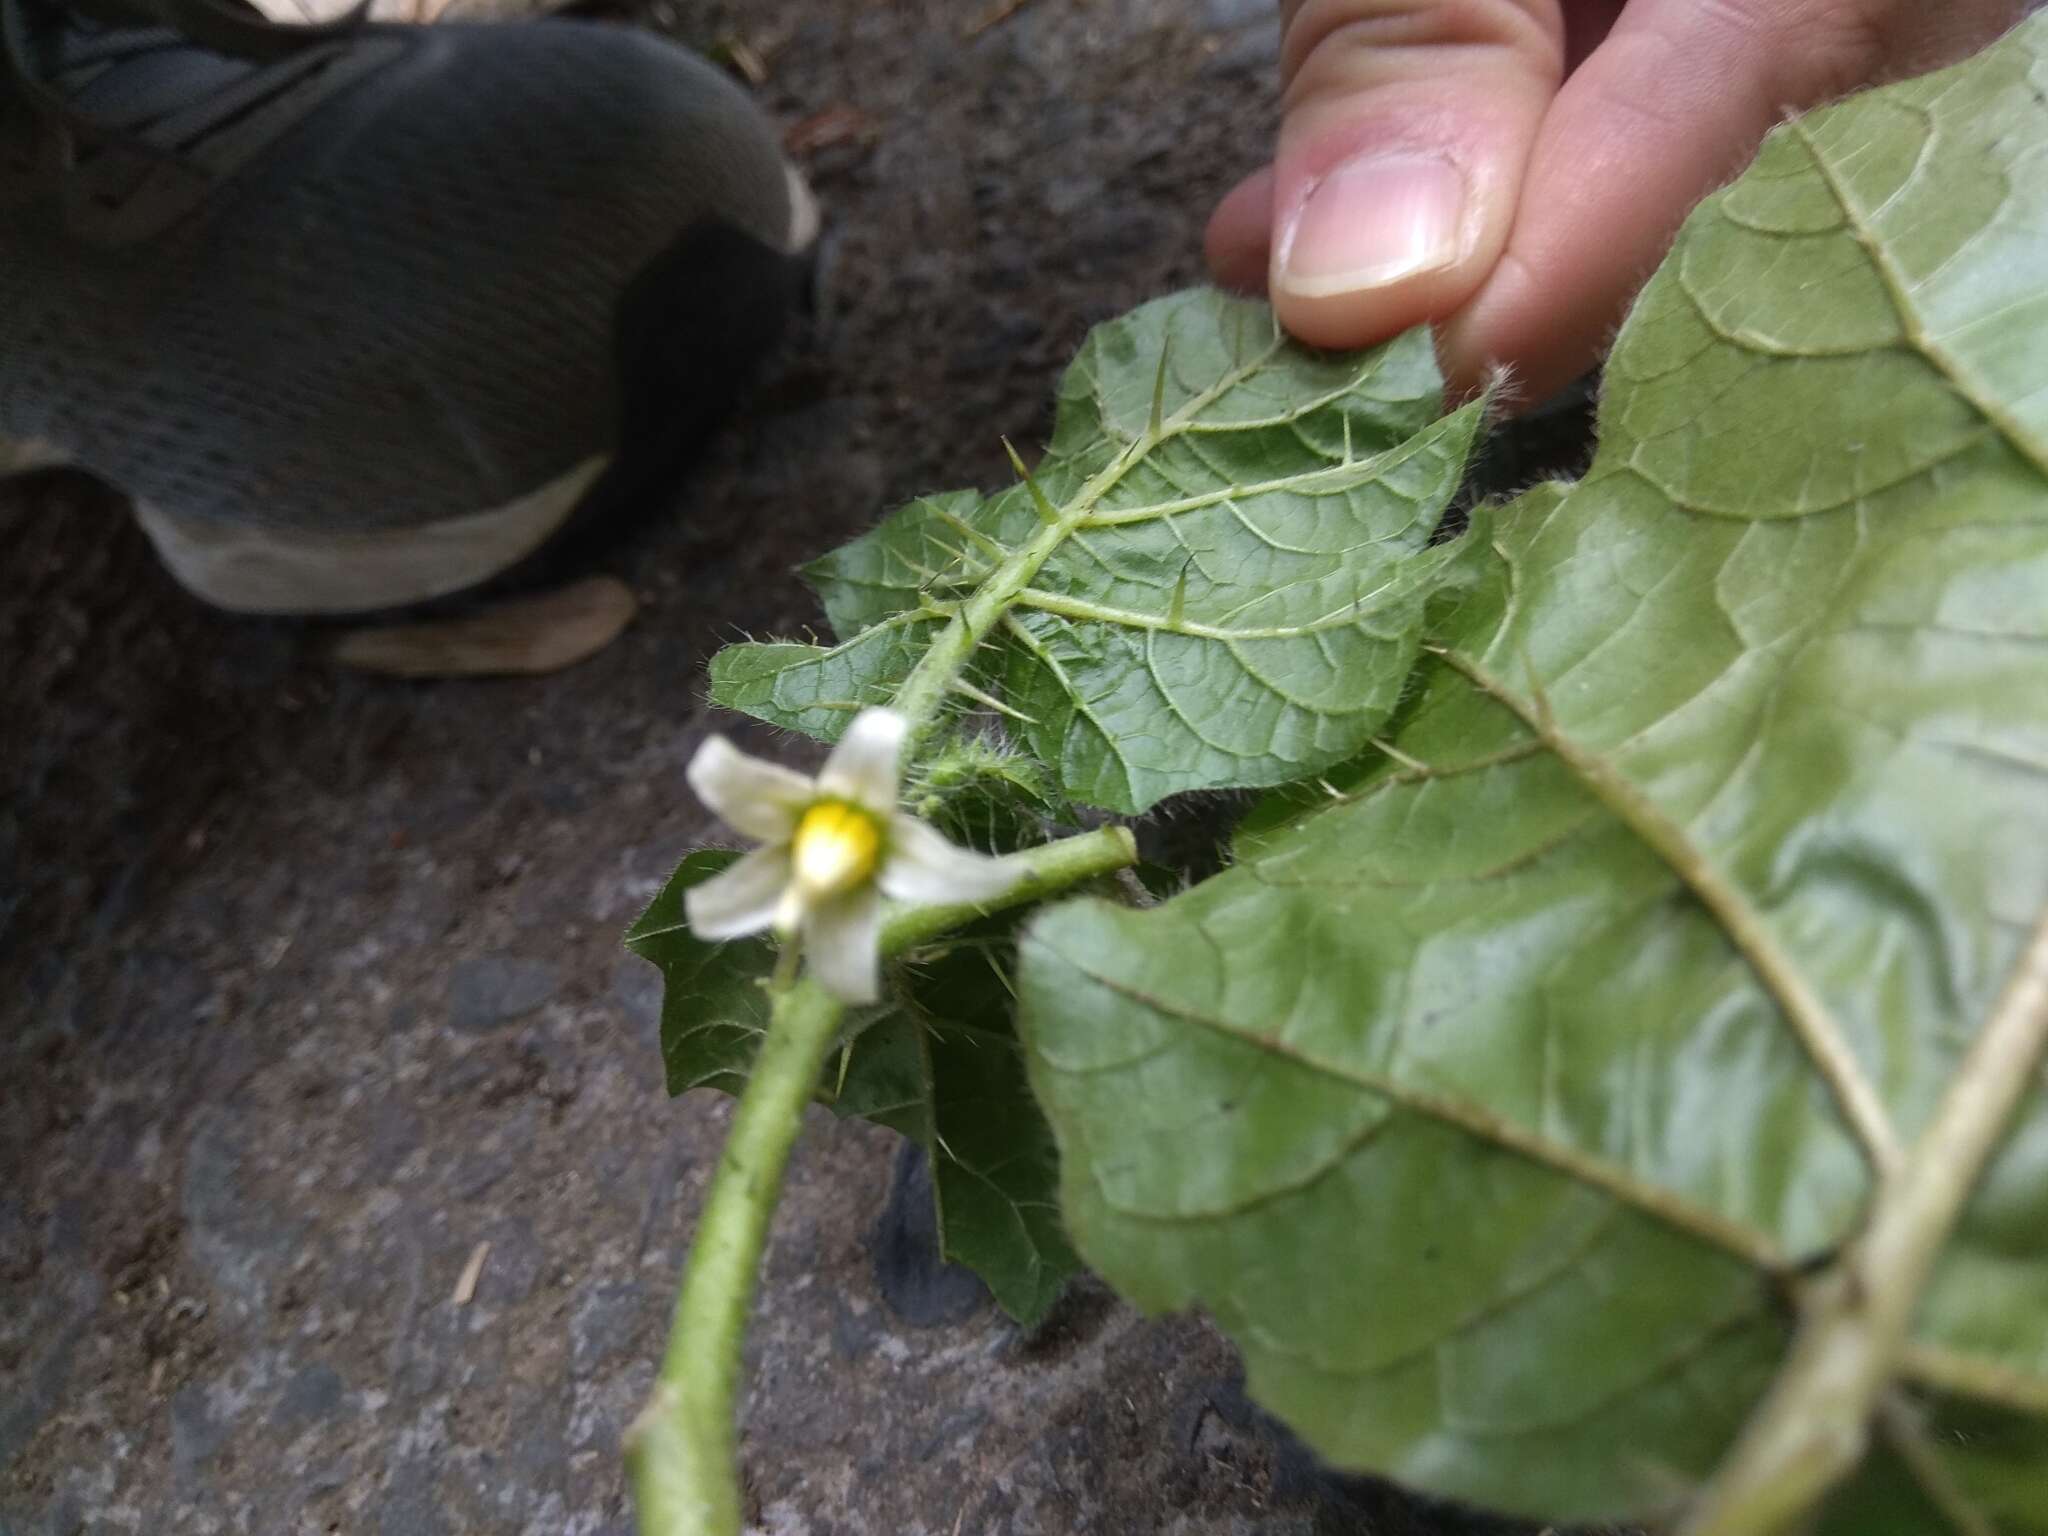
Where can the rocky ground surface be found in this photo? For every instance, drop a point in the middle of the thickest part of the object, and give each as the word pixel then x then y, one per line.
pixel 310 983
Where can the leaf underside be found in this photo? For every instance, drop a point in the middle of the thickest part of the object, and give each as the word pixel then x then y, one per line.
pixel 1239 595
pixel 937 1062
pixel 1492 1103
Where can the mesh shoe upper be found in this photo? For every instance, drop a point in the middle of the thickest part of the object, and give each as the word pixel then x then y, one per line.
pixel 375 281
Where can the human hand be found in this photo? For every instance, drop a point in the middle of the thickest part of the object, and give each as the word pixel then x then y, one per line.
pixel 1513 169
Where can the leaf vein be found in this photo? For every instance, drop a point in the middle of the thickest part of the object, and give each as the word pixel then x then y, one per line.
pixel 1711 1227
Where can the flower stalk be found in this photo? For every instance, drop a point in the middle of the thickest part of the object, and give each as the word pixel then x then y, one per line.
pixel 682 1452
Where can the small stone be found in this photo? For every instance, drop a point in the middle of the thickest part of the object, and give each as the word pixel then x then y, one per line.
pixel 230 1233
pixel 1069 191
pixel 514 1270
pixel 481 1172
pixel 410 1505
pixel 196 1435
pixel 395 1132
pixel 607 1318
pixel 312 1394
pixel 487 991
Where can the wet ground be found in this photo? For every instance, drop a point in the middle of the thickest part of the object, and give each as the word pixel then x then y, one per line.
pixel 310 983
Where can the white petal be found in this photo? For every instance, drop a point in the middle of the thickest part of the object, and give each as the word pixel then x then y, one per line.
pixel 842 945
pixel 749 794
pixel 862 768
pixel 739 900
pixel 924 868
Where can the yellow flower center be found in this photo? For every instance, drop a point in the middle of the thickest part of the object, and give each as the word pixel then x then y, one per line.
pixel 835 850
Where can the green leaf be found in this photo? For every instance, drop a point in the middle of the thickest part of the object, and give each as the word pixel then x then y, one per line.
pixel 1499 1106
pixel 932 545
pixel 819 689
pixel 1242 611
pixel 1228 598
pixel 944 1068
pixel 939 1064
pixel 713 1008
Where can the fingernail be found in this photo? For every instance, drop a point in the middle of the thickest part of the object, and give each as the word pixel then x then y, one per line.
pixel 1374 221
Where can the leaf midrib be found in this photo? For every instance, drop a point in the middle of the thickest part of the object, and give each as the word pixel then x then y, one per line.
pixel 994 597
pixel 1328 480
pixel 1819 1033
pixel 1350 615
pixel 1898 291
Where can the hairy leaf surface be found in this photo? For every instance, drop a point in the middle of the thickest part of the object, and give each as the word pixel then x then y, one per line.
pixel 1226 572
pixel 1495 1106
pixel 939 1063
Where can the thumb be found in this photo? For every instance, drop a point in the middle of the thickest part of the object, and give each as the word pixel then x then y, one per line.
pixel 1406 132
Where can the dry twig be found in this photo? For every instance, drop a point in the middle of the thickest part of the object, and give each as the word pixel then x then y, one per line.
pixel 465 1283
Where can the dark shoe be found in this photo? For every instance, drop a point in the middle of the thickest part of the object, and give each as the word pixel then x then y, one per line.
pixel 360 315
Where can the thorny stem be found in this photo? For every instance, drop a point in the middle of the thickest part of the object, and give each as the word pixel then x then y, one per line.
pixel 1050 868
pixel 1815 1423
pixel 682 1451
pixel 923 692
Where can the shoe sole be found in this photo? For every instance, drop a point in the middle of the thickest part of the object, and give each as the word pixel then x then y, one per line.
pixel 246 569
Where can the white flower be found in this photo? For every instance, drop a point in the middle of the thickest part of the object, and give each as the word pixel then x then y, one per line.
pixel 831 848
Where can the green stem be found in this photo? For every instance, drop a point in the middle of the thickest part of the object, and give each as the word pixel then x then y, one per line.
pixel 1047 869
pixel 682 1452
pixel 923 693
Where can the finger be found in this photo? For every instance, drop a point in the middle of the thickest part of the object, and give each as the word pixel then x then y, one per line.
pixel 1671 105
pixel 1407 128
pixel 1239 240
pixel 1240 234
